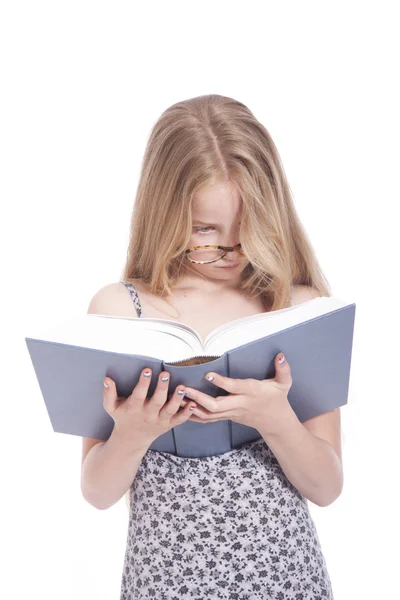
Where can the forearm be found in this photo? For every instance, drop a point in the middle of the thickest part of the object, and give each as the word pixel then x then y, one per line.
pixel 310 463
pixel 109 470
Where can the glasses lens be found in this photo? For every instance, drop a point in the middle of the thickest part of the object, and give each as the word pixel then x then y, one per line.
pixel 206 254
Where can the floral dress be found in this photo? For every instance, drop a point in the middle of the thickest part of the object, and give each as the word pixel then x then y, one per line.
pixel 230 526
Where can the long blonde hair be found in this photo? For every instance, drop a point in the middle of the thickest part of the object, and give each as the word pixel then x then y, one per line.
pixel 199 142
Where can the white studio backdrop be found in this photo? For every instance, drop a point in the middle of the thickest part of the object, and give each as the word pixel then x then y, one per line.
pixel 82 85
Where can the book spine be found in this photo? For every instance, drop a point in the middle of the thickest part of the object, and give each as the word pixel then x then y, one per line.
pixel 194 375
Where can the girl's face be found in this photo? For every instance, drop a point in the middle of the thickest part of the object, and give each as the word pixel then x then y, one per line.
pixel 216 220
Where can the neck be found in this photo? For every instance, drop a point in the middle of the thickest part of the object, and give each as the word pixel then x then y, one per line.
pixel 197 282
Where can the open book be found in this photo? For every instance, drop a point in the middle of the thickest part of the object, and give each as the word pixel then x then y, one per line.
pixel 316 337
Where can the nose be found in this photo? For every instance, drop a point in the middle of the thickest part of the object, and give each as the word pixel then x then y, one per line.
pixel 232 255
pixel 235 246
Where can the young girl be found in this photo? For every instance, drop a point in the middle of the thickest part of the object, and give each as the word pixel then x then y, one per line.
pixel 234 525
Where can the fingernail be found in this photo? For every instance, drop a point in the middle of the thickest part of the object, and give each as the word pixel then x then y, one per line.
pixel 105 384
pixel 147 374
pixel 210 377
pixel 281 359
pixel 181 392
pixel 192 407
pixel 164 378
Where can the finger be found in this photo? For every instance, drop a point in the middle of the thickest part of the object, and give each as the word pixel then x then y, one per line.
pixel 229 384
pixel 139 392
pixel 173 404
pixel 171 410
pixel 218 404
pixel 158 399
pixel 183 415
pixel 202 415
pixel 282 371
pixel 214 418
pixel 110 397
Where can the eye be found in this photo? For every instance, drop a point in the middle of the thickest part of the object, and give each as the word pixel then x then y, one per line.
pixel 201 229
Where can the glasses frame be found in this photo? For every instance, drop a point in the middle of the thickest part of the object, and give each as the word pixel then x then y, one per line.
pixel 225 249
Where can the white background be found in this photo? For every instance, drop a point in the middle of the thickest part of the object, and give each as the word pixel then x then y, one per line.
pixel 82 85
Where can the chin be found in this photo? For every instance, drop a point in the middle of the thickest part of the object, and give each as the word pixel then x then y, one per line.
pixel 216 272
pixel 231 273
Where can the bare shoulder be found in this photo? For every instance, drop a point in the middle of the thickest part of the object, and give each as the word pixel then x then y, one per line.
pixel 303 293
pixel 112 299
pixel 326 426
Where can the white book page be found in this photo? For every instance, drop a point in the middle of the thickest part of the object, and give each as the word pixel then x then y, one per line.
pixel 185 332
pixel 249 329
pixel 172 341
pixel 167 341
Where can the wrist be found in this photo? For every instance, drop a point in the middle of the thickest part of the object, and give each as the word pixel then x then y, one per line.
pixel 279 422
pixel 133 442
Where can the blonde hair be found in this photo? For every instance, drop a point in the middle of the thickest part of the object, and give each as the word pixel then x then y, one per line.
pixel 199 142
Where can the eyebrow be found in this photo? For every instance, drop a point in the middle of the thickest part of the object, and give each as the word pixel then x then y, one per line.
pixel 197 222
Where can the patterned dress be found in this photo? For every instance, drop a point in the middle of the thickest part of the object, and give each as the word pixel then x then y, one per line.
pixel 229 527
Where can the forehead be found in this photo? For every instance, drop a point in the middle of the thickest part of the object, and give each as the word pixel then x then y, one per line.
pixel 217 202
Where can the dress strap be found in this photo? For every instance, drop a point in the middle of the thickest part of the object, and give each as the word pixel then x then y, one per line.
pixel 134 296
pixel 138 306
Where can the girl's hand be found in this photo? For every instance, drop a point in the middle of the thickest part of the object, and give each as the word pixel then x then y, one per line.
pixel 143 419
pixel 250 402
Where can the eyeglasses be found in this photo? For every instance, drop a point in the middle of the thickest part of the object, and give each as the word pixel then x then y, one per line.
pixel 209 254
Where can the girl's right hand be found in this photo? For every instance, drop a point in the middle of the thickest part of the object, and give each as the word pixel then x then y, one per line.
pixel 143 419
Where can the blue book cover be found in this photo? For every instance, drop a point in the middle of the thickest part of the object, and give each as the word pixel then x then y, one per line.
pixel 316 337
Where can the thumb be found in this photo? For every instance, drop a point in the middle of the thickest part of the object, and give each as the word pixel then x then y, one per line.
pixel 109 395
pixel 282 369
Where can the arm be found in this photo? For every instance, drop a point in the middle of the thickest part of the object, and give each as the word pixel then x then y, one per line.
pixel 109 470
pixel 309 462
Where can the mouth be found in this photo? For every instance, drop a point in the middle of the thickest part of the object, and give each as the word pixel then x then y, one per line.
pixel 233 266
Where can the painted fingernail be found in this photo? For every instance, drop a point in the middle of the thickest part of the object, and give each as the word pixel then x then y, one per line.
pixel 147 374
pixel 165 378
pixel 281 359
pixel 210 378
pixel 192 407
pixel 181 392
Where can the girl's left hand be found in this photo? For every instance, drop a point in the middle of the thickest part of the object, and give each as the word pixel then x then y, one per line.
pixel 250 402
